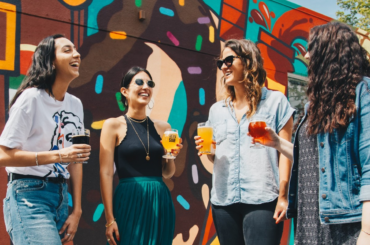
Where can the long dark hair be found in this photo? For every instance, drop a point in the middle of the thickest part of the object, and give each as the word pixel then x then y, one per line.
pixel 254 73
pixel 337 64
pixel 41 73
pixel 126 80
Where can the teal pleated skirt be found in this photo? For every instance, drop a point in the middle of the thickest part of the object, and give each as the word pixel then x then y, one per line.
pixel 144 211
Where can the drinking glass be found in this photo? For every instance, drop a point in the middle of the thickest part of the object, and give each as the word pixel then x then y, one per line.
pixel 257 131
pixel 170 140
pixel 81 137
pixel 206 133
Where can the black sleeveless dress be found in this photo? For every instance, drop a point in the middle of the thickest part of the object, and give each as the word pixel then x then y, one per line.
pixel 142 203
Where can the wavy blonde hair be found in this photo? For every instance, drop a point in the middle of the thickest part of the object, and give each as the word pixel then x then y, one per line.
pixel 254 73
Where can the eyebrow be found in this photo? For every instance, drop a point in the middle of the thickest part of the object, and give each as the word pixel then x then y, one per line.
pixel 68 46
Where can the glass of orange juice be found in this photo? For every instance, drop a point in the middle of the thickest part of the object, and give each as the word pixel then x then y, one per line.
pixel 206 133
pixel 170 140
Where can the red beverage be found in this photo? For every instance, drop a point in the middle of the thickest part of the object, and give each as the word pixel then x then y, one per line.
pixel 257 129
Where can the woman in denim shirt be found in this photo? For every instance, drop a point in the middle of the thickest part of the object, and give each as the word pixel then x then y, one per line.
pixel 249 192
pixel 329 190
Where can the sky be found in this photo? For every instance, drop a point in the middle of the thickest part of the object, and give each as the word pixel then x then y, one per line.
pixel 325 7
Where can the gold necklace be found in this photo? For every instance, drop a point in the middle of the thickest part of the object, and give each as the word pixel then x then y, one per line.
pixel 147 131
pixel 137 121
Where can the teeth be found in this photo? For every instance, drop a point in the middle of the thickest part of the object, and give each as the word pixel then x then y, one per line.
pixel 144 95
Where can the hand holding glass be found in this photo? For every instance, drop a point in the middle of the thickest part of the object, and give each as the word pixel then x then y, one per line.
pixel 257 131
pixel 170 140
pixel 206 134
pixel 81 137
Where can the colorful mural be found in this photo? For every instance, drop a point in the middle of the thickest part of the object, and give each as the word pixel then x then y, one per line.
pixel 178 42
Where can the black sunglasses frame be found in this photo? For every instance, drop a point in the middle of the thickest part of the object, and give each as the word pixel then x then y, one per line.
pixel 228 61
pixel 140 82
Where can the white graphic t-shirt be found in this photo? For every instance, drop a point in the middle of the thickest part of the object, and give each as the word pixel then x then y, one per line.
pixel 38 122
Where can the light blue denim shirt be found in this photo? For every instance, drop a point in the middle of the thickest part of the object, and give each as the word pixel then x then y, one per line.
pixel 242 174
pixel 344 163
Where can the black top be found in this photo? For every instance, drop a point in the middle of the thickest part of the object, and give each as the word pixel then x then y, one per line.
pixel 130 155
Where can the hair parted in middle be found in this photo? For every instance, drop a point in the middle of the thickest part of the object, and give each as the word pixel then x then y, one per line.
pixel 254 73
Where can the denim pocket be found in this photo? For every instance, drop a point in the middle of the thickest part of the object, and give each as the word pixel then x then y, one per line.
pixel 28 185
pixel 7 218
pixel 220 132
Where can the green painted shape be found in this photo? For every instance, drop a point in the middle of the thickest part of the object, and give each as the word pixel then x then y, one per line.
pixel 93 11
pixel 15 82
pixel 138 3
pixel 119 101
pixel 179 109
pixel 215 5
pixel 300 68
pixel 198 44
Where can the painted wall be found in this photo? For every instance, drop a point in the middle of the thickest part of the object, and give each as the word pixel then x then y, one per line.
pixel 178 43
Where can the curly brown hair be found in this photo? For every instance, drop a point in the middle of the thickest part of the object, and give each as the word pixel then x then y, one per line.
pixel 254 73
pixel 337 64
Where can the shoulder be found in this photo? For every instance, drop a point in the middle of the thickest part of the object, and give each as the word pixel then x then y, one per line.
pixel 72 98
pixel 218 105
pixel 363 86
pixel 275 95
pixel 161 125
pixel 27 99
pixel 114 122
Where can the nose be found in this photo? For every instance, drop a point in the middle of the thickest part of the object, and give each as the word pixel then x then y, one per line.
pixel 307 55
pixel 224 66
pixel 76 54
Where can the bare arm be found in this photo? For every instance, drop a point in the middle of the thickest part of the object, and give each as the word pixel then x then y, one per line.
pixel 285 166
pixel 108 140
pixel 364 237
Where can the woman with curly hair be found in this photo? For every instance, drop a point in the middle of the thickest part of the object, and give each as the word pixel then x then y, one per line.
pixel 249 186
pixel 329 189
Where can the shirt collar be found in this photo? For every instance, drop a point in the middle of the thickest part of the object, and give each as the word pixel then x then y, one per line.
pixel 263 97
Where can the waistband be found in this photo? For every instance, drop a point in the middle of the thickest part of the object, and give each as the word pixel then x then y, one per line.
pixel 141 179
pixel 57 180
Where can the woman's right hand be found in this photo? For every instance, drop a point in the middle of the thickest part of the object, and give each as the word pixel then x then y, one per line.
pixel 270 139
pixel 75 153
pixel 199 140
pixel 112 229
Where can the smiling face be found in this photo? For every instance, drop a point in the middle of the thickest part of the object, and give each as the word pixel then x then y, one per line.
pixel 234 73
pixel 138 94
pixel 67 59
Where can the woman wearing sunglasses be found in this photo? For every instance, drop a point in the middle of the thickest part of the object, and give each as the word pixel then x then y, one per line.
pixel 141 211
pixel 249 192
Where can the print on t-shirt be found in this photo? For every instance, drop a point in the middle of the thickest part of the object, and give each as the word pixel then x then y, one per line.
pixel 65 123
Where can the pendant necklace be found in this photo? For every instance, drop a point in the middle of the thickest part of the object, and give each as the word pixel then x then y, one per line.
pixel 147 131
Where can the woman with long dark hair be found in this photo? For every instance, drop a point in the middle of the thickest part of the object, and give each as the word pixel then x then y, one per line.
pixel 141 211
pixel 249 186
pixel 36 148
pixel 330 184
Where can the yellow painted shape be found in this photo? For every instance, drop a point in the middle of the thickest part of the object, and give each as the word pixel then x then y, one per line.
pixel 97 125
pixel 28 47
pixel 207 164
pixel 211 34
pixel 215 241
pixel 205 195
pixel 366 45
pixel 118 35
pixel 74 2
pixel 9 10
pixel 182 2
pixel 275 85
pixel 179 240
pixel 215 19
pixel 167 77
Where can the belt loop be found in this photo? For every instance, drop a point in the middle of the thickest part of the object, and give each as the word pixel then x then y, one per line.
pixel 10 177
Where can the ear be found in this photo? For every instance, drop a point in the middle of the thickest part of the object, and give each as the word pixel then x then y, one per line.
pixel 124 91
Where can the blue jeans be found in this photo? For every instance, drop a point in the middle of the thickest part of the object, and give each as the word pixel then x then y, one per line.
pixel 35 211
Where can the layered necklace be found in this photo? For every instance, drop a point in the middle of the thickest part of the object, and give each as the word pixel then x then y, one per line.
pixel 147 131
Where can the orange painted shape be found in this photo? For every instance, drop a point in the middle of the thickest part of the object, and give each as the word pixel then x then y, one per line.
pixel 118 35
pixel 233 15
pixel 25 61
pixel 74 2
pixel 224 27
pixel 8 63
pixel 286 232
pixel 238 4
pixel 207 229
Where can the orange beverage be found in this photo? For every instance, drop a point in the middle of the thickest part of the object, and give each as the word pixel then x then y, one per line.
pixel 170 140
pixel 257 131
pixel 206 133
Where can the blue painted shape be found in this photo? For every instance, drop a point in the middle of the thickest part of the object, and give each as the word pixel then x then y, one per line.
pixel 202 96
pixel 99 84
pixel 70 201
pixel 183 202
pixel 179 109
pixel 215 5
pixel 166 11
pixel 93 10
pixel 98 212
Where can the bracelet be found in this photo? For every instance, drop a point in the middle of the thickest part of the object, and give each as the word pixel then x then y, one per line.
pixel 60 157
pixel 37 161
pixel 366 232
pixel 111 223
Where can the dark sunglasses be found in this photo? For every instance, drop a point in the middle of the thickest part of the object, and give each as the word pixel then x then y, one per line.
pixel 140 82
pixel 228 61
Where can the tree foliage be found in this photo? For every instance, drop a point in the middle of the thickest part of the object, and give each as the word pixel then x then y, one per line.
pixel 356 13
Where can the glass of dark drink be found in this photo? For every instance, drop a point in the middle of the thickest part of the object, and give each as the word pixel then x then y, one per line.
pixel 257 131
pixel 81 137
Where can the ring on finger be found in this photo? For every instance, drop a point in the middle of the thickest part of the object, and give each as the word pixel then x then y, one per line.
pixel 108 240
pixel 68 234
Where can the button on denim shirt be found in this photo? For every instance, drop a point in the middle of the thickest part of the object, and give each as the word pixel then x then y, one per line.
pixel 242 174
pixel 344 163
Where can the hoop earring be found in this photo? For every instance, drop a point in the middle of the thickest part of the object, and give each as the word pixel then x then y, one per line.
pixel 126 103
pixel 152 105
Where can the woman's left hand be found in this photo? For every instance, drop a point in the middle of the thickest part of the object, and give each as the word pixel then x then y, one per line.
pixel 70 227
pixel 280 210
pixel 176 152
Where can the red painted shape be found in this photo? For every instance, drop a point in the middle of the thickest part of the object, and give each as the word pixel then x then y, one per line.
pixel 209 230
pixel 272 41
pixel 228 31
pixel 258 18
pixel 25 61
pixel 2 35
pixel 234 16
pixel 238 4
pixel 286 232
pixel 265 12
